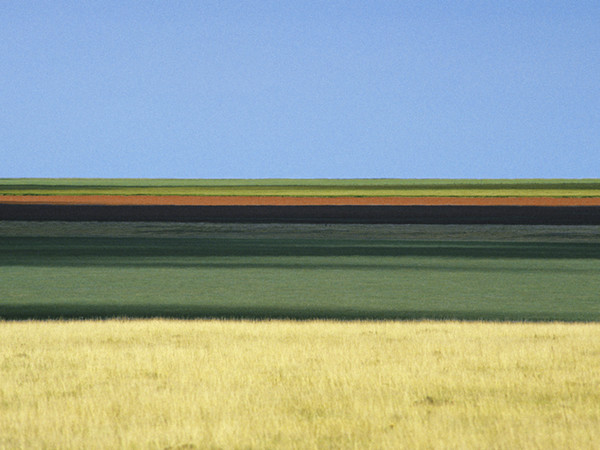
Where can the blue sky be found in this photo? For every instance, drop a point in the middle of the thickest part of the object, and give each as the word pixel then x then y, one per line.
pixel 300 89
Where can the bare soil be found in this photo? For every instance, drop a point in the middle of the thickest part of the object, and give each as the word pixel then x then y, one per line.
pixel 189 200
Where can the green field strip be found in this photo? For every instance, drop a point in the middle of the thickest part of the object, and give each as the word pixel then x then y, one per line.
pixel 298 278
pixel 305 188
pixel 330 232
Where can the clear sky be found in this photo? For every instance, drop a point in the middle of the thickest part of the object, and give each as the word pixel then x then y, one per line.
pixel 300 89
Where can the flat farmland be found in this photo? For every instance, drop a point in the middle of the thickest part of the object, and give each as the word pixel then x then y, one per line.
pixel 517 202
pixel 304 187
pixel 62 270
pixel 259 332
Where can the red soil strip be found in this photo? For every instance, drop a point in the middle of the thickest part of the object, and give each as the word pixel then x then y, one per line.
pixel 189 200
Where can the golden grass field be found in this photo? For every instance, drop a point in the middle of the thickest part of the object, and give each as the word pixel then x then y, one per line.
pixel 284 384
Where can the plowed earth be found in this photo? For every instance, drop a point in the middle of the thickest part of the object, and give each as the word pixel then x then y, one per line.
pixel 185 200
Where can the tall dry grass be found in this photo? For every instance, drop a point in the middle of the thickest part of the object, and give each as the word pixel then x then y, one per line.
pixel 227 384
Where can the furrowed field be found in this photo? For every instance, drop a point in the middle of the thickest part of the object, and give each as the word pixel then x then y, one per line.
pixel 237 384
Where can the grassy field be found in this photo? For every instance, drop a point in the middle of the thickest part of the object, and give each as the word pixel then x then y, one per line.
pixel 312 187
pixel 492 381
pixel 301 272
pixel 280 384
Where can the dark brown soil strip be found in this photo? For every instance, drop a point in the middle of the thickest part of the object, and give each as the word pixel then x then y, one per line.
pixel 508 215
pixel 194 311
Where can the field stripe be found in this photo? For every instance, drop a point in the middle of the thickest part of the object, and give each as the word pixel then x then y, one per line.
pixel 191 200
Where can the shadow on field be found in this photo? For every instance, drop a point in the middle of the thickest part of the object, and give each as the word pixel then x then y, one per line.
pixel 45 251
pixel 73 312
pixel 295 266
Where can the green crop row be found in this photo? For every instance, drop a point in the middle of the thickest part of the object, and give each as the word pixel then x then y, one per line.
pixel 305 187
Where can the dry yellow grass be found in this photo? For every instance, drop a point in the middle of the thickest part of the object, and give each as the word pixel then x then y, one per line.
pixel 226 384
